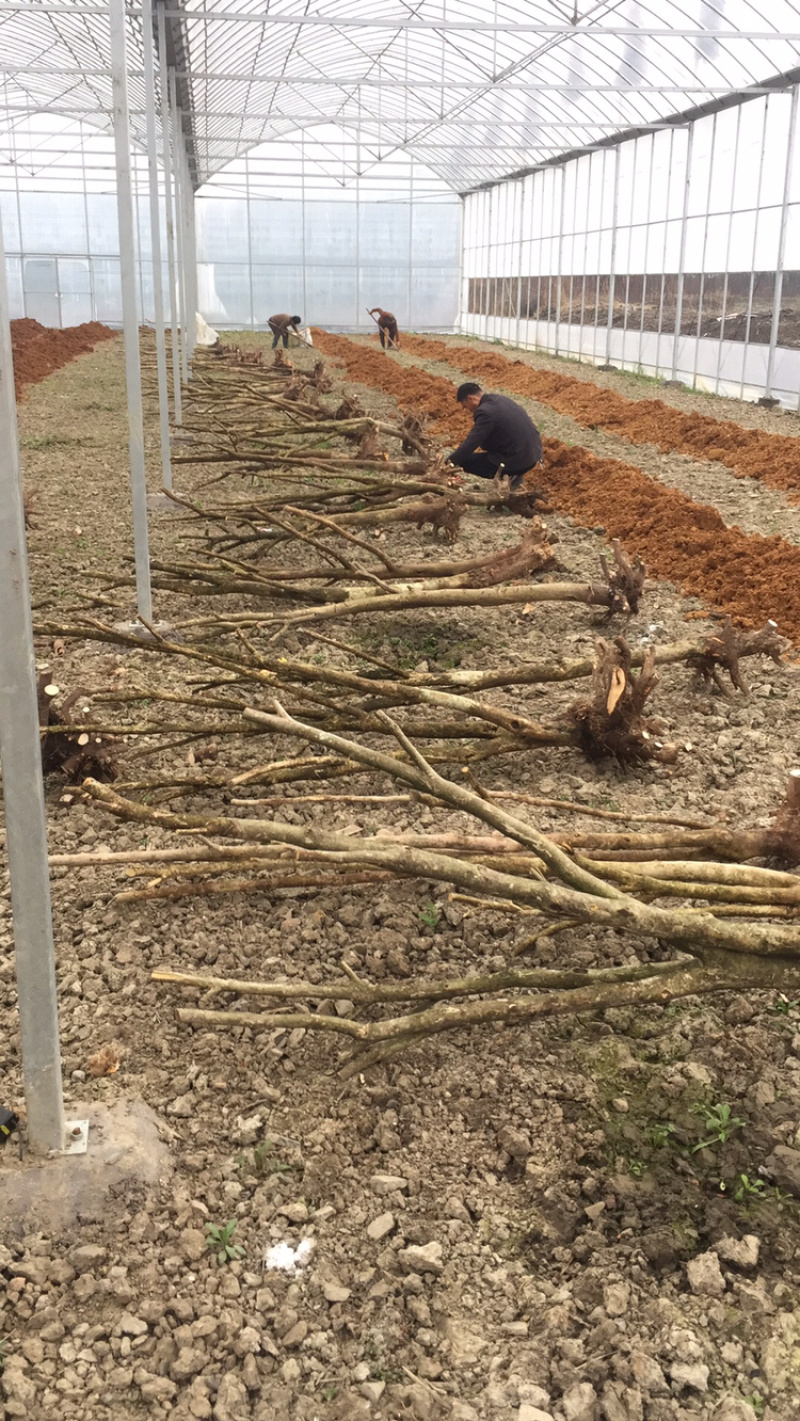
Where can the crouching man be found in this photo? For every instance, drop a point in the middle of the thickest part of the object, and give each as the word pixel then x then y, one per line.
pixel 507 436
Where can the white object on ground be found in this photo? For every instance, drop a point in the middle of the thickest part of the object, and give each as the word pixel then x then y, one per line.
pixel 286 1258
pixel 302 334
pixel 203 332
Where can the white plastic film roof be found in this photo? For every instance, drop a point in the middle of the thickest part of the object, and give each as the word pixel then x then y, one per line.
pixel 472 90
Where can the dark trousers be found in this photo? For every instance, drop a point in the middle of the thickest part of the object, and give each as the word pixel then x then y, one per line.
pixel 276 336
pixel 484 465
pixel 388 335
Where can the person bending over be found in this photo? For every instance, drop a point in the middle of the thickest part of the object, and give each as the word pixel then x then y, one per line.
pixel 281 325
pixel 387 328
pixel 508 437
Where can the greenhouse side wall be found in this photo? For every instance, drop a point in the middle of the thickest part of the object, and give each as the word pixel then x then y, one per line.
pixel 328 261
pixel 674 254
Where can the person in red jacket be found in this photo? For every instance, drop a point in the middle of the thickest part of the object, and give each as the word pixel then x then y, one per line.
pixel 387 328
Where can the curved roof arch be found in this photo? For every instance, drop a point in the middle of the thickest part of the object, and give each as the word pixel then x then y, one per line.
pixel 469 90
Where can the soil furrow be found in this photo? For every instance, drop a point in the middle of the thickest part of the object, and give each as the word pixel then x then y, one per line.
pixel 746 503
pixel 748 453
pixel 748 576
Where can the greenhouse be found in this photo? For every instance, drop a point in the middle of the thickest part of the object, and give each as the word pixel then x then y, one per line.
pixel 607 181
pixel 399 705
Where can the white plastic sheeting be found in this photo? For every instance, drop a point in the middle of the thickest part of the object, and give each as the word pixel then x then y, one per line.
pixel 327 260
pixel 605 256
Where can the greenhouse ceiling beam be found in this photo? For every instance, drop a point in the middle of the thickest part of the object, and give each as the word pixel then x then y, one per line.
pixel 365 121
pixel 630 31
pixel 467 85
pixel 413 22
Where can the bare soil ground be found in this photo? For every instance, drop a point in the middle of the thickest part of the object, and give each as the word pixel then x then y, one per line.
pixel 505 1224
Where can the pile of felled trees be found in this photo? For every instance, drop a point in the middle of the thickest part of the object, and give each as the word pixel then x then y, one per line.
pixel 278 559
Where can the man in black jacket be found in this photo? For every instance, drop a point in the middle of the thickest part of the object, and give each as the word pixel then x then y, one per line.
pixel 510 440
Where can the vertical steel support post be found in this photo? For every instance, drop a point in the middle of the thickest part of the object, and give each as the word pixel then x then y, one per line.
pixel 23 793
pixel 486 250
pixel 585 254
pixel 629 225
pixel 169 208
pixel 613 261
pixel 89 256
pixel 489 279
pixel 547 344
pixel 734 171
pixel 251 292
pixel 779 263
pixel 178 175
pixel 302 222
pixel 521 229
pixel 19 224
pixel 190 250
pixel 573 226
pixel 757 212
pixel 682 254
pixel 704 258
pixel 560 259
pixel 592 156
pixel 410 268
pixel 663 263
pixel 645 260
pixel 155 239
pixel 357 283
pixel 133 375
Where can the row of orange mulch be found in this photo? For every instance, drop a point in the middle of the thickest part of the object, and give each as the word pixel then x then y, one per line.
pixel 750 577
pixel 748 453
pixel 37 350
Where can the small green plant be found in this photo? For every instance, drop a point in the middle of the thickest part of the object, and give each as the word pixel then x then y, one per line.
pixel 746 1188
pixel 658 1134
pixel 720 1123
pixel 266 1162
pixel 782 1005
pixel 429 915
pixel 636 1167
pixel 218 1238
pixel 263 1162
pixel 756 1400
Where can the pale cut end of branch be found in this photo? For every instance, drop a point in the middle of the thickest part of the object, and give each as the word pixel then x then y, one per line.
pixel 784 836
pixel 613 722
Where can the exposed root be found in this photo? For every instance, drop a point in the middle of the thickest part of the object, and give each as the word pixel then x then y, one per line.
pixel 612 721
pixel 625 578
pixel 723 652
pixel 349 409
pixel 415 437
pixel 74 753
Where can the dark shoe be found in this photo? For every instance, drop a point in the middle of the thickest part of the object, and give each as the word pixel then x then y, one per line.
pixel 515 482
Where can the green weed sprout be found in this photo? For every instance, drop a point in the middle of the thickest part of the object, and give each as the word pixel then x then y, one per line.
pixel 720 1122
pixel 219 1238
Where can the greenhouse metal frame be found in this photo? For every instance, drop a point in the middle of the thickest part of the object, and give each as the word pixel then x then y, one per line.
pixel 609 180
